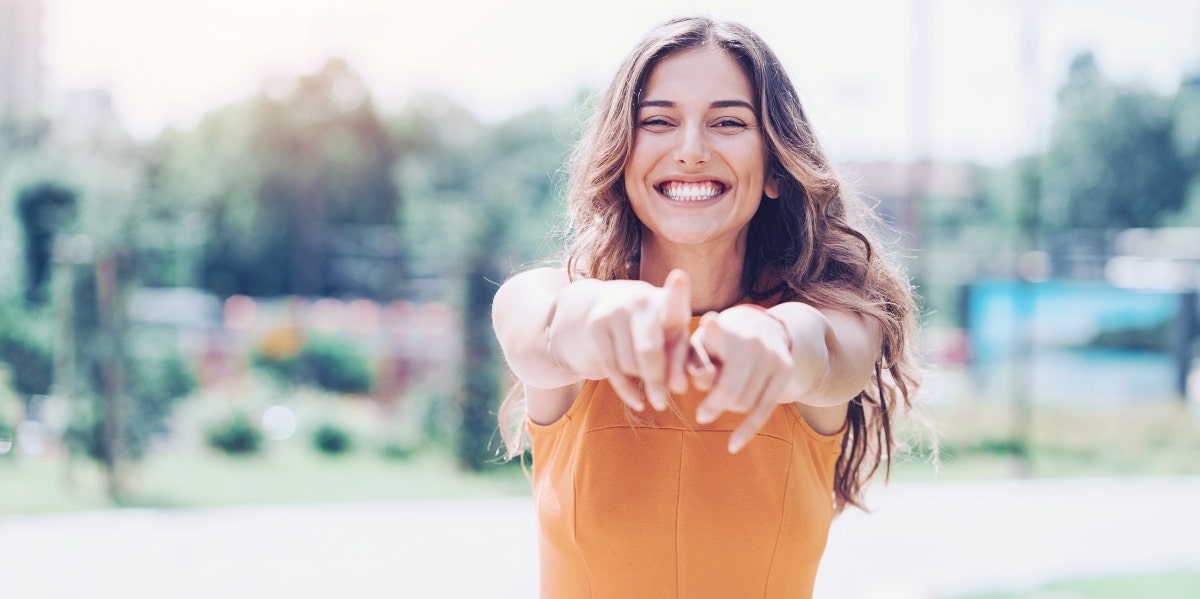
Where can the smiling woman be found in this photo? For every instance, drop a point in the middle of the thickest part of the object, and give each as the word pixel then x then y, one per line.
pixel 718 272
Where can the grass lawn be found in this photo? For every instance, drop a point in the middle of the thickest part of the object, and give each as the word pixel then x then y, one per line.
pixel 977 442
pixel 1168 585
pixel 975 437
pixel 289 474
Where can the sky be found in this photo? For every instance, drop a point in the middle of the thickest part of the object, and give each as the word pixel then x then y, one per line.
pixel 880 81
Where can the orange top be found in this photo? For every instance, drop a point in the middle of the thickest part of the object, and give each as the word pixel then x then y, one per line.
pixel 653 505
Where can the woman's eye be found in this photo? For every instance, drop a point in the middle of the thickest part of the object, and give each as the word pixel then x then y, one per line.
pixel 730 124
pixel 656 123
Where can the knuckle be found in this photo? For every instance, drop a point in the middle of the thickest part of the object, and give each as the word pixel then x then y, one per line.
pixel 646 354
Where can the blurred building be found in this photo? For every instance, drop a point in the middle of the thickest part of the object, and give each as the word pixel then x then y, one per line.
pixel 893 189
pixel 86 119
pixel 20 59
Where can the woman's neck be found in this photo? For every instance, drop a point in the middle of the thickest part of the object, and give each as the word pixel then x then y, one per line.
pixel 715 273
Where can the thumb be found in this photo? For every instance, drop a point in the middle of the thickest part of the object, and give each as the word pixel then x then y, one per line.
pixel 700 364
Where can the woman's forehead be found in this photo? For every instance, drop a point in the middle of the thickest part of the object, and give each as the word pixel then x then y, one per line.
pixel 699 74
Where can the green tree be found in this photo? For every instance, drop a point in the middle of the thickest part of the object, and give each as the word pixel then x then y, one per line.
pixel 1187 144
pixel 43 209
pixel 296 188
pixel 1113 160
pixel 481 201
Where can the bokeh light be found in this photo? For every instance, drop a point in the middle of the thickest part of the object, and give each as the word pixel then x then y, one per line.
pixel 279 423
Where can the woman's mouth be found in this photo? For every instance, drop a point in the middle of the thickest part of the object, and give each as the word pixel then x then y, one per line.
pixel 679 191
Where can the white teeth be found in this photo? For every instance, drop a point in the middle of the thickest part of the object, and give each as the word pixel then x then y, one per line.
pixel 691 192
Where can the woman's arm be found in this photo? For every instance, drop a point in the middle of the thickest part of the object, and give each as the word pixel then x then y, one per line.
pixel 834 352
pixel 522 311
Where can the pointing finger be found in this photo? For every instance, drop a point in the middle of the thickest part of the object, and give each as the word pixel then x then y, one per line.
pixel 758 415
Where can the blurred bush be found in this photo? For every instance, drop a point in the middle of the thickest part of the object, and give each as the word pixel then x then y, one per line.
pixel 29 358
pixel 235 435
pixel 331 439
pixel 1156 338
pixel 6 437
pixel 328 362
pixel 155 385
pixel 398 450
pixel 337 365
pixel 282 369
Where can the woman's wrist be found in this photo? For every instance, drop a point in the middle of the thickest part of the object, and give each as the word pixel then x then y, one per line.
pixel 568 313
pixel 809 333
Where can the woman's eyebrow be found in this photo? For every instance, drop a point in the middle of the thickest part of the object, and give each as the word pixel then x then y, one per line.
pixel 716 104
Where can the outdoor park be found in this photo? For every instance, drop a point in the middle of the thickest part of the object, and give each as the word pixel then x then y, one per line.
pixel 249 352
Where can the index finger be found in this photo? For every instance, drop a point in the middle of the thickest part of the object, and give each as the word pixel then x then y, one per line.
pixel 758 416
pixel 649 351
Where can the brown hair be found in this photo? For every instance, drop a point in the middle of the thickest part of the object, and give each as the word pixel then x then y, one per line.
pixel 810 245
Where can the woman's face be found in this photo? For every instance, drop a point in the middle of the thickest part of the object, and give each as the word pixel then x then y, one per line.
pixel 697 171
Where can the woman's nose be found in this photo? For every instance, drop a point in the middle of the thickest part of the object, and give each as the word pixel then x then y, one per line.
pixel 692 149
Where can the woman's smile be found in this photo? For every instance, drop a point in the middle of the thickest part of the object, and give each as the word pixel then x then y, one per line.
pixel 683 192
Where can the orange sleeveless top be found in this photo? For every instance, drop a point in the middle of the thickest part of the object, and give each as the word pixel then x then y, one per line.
pixel 655 506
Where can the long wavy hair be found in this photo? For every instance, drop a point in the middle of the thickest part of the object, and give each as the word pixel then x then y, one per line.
pixel 814 244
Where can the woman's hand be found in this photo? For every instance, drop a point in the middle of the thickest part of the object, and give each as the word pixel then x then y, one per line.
pixel 631 331
pixel 754 365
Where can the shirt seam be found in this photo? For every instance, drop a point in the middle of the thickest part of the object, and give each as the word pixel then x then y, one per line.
pixel 782 517
pixel 681 429
pixel 678 495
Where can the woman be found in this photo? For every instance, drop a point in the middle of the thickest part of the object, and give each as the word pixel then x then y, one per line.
pixel 699 189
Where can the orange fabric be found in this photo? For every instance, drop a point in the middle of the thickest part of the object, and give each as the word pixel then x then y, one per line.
pixel 655 506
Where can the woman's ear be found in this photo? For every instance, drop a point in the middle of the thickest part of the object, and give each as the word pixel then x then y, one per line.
pixel 771 187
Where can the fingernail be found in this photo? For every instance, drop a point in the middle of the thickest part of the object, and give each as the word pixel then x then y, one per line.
pixel 705 416
pixel 735 445
pixel 658 402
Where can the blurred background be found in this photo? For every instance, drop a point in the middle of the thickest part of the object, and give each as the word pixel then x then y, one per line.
pixel 248 249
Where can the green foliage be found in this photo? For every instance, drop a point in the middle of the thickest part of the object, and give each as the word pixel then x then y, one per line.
pixel 500 188
pixel 85 434
pixel 43 209
pixel 329 362
pixel 481 392
pixel 155 386
pixel 398 451
pixel 331 439
pixel 297 189
pixel 1118 157
pixel 29 359
pixel 284 370
pixel 1161 585
pixel 1155 338
pixel 6 437
pixel 337 365
pixel 156 377
pixel 235 435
